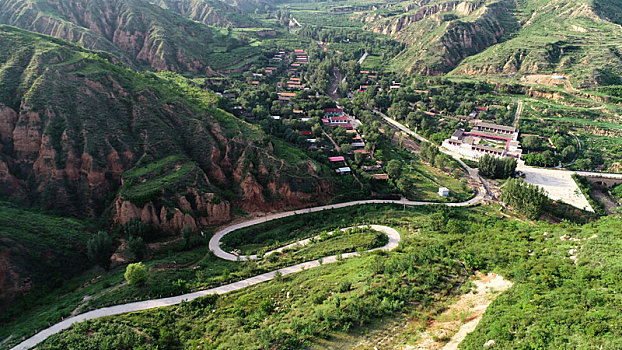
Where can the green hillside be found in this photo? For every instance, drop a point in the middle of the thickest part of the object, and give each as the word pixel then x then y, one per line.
pixel 38 252
pixel 554 302
pixel 503 37
pixel 137 31
pixel 210 12
pixel 586 47
pixel 76 122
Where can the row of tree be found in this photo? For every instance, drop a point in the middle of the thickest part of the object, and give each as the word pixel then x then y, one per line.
pixel 497 168
pixel 525 198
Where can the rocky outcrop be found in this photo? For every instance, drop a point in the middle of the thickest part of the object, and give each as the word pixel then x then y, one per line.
pixel 82 141
pixel 210 12
pixel 393 26
pixel 137 31
pixel 203 211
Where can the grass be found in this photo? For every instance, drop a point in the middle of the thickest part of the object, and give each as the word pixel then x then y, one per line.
pixel 43 252
pixel 303 309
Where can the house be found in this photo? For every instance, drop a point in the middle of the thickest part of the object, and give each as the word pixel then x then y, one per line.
pixel 336 159
pixel 276 117
pixel 499 129
pixel 383 177
pixel 286 96
pixel 338 120
pixel 343 171
pixel 371 167
pixel 443 191
pixel 337 112
pixel 485 138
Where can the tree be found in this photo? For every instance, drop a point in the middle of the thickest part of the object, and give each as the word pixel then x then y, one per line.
pixel 137 247
pixel 186 233
pixel 548 158
pixel 99 249
pixel 525 198
pixel 568 153
pixel 135 228
pixel 495 168
pixel 403 185
pixel 532 142
pixel 358 158
pixel 136 274
pixel 394 168
pixel 584 164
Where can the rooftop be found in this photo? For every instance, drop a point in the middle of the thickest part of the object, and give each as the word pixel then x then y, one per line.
pixel 496 126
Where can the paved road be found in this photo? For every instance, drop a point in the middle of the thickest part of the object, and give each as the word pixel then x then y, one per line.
pixel 392 234
pixel 362 59
pixel 473 173
pixel 557 183
pixel 401 126
pixel 214 245
pixel 519 112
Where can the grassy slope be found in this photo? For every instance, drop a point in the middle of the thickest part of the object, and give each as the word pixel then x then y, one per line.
pixel 41 251
pixel 149 103
pixel 549 288
pixel 210 12
pixel 436 42
pixel 583 46
pixel 171 41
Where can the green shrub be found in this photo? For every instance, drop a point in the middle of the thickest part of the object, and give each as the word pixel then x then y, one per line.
pixel 136 274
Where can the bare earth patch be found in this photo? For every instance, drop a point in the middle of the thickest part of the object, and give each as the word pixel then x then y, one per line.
pixel 462 317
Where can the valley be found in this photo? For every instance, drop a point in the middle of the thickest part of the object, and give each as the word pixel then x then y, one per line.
pixel 181 174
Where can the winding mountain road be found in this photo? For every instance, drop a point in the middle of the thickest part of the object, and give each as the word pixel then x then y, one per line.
pixel 214 245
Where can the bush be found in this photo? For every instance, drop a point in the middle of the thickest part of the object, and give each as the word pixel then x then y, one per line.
pixel 136 274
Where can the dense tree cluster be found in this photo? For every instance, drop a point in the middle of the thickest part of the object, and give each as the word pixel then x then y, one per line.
pixel 496 168
pixel 527 199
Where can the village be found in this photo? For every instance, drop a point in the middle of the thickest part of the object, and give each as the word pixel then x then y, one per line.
pixel 283 97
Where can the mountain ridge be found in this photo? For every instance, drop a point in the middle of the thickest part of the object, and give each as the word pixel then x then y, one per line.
pixel 140 33
pixel 74 124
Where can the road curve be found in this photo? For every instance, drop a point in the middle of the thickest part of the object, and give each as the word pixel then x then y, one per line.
pixel 215 241
pixel 214 245
pixel 393 242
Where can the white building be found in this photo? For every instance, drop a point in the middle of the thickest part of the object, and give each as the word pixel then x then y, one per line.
pixel 443 191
